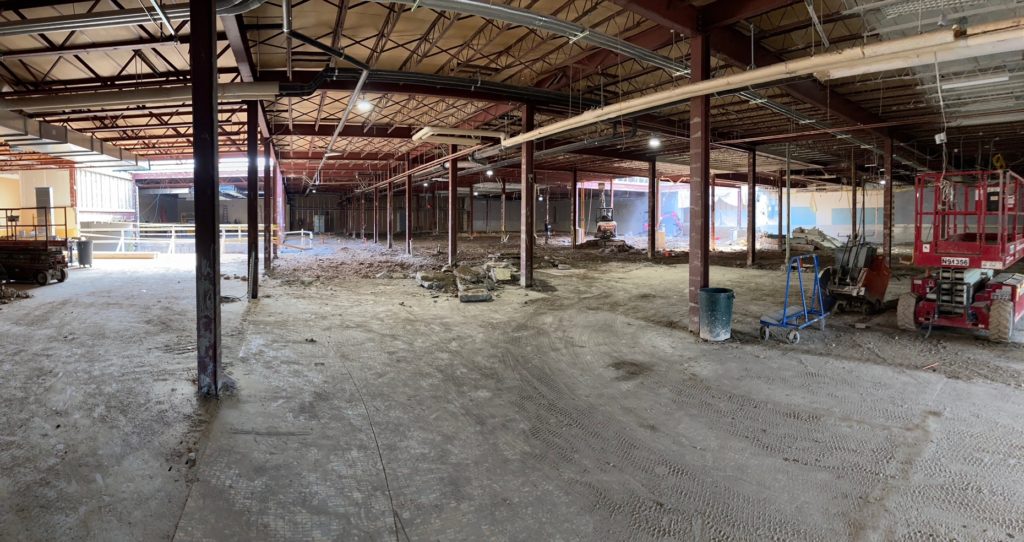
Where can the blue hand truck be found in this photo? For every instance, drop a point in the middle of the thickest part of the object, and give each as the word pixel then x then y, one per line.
pixel 797 317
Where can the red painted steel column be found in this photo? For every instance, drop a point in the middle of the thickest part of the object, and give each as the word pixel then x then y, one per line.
pixel 887 211
pixel 527 228
pixel 652 208
pixel 268 213
pixel 700 177
pixel 751 208
pixel 574 209
pixel 252 197
pixel 453 208
pixel 203 59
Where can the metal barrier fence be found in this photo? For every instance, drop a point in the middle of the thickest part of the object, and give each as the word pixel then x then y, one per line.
pixel 176 238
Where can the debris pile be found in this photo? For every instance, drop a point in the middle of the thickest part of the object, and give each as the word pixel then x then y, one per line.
pixel 609 246
pixel 470 283
pixel 801 239
pixel 9 295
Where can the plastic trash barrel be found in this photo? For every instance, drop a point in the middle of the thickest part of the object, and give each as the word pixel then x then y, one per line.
pixel 84 252
pixel 716 313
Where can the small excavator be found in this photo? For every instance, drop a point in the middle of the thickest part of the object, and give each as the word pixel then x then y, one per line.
pixel 606 225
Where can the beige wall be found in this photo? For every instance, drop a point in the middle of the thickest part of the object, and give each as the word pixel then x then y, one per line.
pixel 19 190
pixel 10 192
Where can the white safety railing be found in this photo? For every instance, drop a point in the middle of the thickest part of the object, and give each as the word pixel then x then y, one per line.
pixel 169 238
pixel 305 238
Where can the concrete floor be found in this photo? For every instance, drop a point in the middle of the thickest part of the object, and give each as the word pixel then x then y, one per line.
pixel 369 410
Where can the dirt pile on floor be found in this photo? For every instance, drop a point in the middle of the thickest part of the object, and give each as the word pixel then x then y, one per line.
pixel 337 261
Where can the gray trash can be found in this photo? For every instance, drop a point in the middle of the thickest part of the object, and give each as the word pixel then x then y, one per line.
pixel 716 313
pixel 84 252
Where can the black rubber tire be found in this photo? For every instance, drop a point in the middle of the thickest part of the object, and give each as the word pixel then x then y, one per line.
pixel 62 274
pixel 42 278
pixel 764 333
pixel 1000 321
pixel 905 311
pixel 793 336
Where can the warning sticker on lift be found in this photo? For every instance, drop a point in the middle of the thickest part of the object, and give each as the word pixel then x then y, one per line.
pixel 955 262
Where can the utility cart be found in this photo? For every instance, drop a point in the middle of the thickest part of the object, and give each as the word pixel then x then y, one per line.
pixel 811 309
pixel 33 245
pixel 968 229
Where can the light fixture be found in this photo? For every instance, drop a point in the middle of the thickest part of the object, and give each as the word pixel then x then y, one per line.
pixel 654 142
pixel 490 173
pixel 541 198
pixel 882 182
pixel 426 184
pixel 364 106
pixel 476 193
pixel 975 82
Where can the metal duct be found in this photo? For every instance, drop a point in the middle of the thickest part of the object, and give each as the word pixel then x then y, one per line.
pixel 936 46
pixel 60 142
pixel 124 17
pixel 148 96
pixel 577 32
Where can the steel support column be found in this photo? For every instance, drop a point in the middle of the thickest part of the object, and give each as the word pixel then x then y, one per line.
pixel 203 61
pixel 408 210
pixel 652 208
pixel 782 174
pixel 362 215
pixel 268 228
pixel 391 216
pixel 887 204
pixel 453 208
pixel 853 198
pixel 527 228
pixel 752 208
pixel 700 177
pixel 470 200
pixel 574 207
pixel 376 215
pixel 252 197
pixel 503 209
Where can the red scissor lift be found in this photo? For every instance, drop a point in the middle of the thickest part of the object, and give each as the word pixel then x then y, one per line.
pixel 969 228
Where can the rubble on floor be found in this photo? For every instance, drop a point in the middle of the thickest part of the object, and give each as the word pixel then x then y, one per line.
pixel 9 295
pixel 801 239
pixel 609 246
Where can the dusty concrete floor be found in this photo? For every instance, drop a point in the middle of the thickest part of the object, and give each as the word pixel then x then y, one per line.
pixel 579 411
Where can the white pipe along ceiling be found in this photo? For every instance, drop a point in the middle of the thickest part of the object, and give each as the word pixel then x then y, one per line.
pixel 933 47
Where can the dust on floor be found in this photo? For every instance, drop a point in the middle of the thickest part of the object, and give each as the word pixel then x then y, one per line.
pixel 369 409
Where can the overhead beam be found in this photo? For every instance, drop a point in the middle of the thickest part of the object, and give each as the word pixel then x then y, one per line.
pixel 725 13
pixel 350 130
pixel 734 48
pixel 102 47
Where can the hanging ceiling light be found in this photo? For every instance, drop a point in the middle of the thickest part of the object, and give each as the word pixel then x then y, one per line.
pixel 654 142
pixel 490 173
pixel 364 106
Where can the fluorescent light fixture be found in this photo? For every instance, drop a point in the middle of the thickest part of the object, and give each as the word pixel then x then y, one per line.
pixel 654 142
pixel 975 82
pixel 364 106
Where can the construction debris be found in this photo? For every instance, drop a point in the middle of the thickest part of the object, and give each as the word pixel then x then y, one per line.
pixel 9 295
